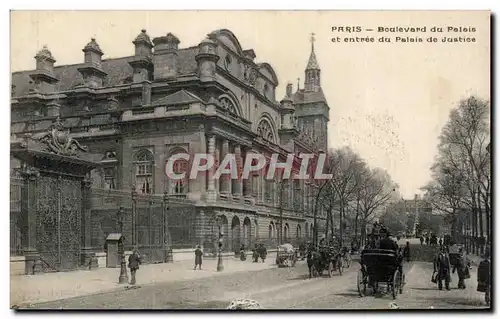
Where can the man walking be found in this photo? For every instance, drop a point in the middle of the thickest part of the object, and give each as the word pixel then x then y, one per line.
pixel 484 276
pixel 462 268
pixel 442 267
pixel 421 240
pixel 198 255
pixel 134 261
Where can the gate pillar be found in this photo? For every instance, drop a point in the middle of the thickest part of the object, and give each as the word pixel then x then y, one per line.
pixel 28 220
pixel 87 257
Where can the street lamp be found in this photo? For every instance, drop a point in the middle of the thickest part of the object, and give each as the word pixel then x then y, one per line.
pixel 220 266
pixel 123 278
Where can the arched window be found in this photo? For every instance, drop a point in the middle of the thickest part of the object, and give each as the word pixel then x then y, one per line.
pixel 180 166
pixel 299 232
pixel 265 131
pixel 271 230
pixel 285 232
pixel 144 163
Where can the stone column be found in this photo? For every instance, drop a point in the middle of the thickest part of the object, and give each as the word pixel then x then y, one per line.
pixel 29 213
pixel 217 164
pixel 238 183
pixel 87 259
pixel 211 194
pixel 247 184
pixel 225 179
pixel 260 188
pixel 134 217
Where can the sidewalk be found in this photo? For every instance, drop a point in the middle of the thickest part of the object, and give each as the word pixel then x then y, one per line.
pixel 62 285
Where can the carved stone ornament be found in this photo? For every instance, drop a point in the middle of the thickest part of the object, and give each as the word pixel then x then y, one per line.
pixel 58 141
pixel 250 74
pixel 226 104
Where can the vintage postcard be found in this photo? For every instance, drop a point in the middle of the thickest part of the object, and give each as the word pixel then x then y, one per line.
pixel 250 160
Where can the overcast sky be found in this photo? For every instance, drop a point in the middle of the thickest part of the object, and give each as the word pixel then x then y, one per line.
pixel 388 101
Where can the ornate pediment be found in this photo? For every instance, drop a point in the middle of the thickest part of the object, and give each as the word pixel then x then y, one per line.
pixel 57 140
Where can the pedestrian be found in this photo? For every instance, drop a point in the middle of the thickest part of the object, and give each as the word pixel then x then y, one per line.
pixel 198 256
pixel 483 276
pixel 462 268
pixel 440 242
pixel 134 261
pixel 427 240
pixel 406 251
pixel 421 240
pixel 442 268
pixel 255 254
pixel 263 252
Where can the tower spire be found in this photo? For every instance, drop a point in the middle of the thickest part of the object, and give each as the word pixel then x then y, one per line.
pixel 313 62
pixel 313 80
pixel 313 39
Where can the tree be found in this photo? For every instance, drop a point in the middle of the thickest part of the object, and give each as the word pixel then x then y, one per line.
pixel 376 191
pixel 346 168
pixel 461 175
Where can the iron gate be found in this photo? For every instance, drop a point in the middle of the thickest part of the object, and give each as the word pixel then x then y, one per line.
pixel 58 231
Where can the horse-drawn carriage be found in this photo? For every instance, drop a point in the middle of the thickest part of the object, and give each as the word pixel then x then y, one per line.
pixel 380 266
pixel 286 256
pixel 325 258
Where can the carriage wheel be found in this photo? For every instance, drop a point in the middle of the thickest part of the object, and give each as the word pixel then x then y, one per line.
pixel 340 266
pixel 375 287
pixel 330 269
pixel 361 284
pixel 396 284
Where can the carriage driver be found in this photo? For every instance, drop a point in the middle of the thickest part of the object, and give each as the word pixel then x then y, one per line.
pixel 386 242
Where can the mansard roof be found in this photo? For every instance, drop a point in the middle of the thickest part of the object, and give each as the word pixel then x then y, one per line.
pixel 118 70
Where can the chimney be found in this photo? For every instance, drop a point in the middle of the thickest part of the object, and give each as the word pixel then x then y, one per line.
pixel 143 45
pixel 92 72
pixel 165 57
pixel 44 77
pixel 93 53
pixel 141 63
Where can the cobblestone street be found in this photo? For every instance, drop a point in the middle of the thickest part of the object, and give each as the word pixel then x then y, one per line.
pixel 282 288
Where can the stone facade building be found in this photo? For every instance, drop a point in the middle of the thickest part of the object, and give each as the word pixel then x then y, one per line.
pixel 134 112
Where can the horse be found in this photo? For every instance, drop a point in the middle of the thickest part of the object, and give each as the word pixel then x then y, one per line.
pixel 313 262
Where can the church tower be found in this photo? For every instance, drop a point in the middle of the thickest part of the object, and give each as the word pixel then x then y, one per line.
pixel 313 73
pixel 311 107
